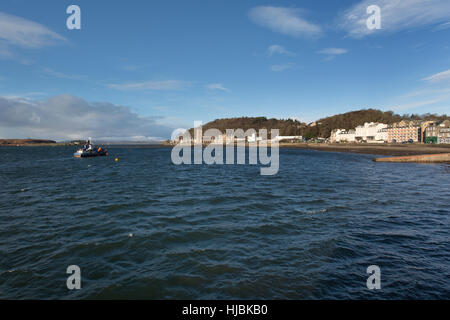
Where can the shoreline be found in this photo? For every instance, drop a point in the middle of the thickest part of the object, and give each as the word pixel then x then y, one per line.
pixel 373 149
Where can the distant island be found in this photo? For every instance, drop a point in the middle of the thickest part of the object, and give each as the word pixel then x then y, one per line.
pixel 26 142
pixel 46 142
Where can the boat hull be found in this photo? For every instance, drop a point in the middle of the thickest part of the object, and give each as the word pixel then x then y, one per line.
pixel 92 154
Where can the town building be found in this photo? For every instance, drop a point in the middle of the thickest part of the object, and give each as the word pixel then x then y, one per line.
pixel 430 132
pixel 424 126
pixel 444 132
pixel 438 132
pixel 372 132
pixel 342 135
pixel 382 135
pixel 254 138
pixel 405 131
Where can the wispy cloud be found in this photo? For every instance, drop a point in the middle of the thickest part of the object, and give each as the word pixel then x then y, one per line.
pixel 61 75
pixel 17 32
pixel 425 96
pixel 421 103
pixel 331 53
pixel 282 67
pixel 7 54
pixel 442 26
pixel 438 77
pixel 133 67
pixel 25 33
pixel 283 20
pixel 396 15
pixel 151 85
pixel 217 86
pixel 277 49
pixel 28 96
pixel 426 91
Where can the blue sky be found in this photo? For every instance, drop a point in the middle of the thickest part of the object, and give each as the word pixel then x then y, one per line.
pixel 138 69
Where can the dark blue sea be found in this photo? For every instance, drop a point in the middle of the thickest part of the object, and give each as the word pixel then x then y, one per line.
pixel 145 228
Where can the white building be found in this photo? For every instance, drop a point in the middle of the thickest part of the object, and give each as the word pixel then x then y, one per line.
pixel 382 135
pixel 254 138
pixel 281 138
pixel 372 133
pixel 342 135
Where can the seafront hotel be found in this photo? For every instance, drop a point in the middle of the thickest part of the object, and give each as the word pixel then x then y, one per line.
pixel 405 131
pixel 437 132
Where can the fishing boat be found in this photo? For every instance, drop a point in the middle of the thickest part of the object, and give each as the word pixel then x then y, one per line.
pixel 89 151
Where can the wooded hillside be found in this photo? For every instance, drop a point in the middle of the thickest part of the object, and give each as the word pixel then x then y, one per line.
pixel 321 128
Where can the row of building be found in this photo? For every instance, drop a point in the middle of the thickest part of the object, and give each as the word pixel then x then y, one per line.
pixel 250 137
pixel 403 131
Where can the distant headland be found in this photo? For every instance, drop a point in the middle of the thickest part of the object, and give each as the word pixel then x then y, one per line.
pixel 27 142
pixel 48 143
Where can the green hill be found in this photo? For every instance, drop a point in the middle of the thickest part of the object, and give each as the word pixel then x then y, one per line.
pixel 286 127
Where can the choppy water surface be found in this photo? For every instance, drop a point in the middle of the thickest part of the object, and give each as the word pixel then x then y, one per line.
pixel 145 228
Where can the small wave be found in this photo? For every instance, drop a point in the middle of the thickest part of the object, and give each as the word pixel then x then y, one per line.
pixel 311 212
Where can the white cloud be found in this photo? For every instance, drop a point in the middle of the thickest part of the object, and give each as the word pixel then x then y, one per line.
pixel 284 20
pixel 68 117
pixel 396 15
pixel 25 33
pixel 333 51
pixel 441 76
pixel 281 67
pixel 217 86
pixel 151 85
pixel 277 49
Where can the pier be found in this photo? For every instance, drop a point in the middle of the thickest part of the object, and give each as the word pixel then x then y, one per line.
pixel 426 158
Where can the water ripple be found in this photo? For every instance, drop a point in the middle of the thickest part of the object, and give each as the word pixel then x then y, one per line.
pixel 147 229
